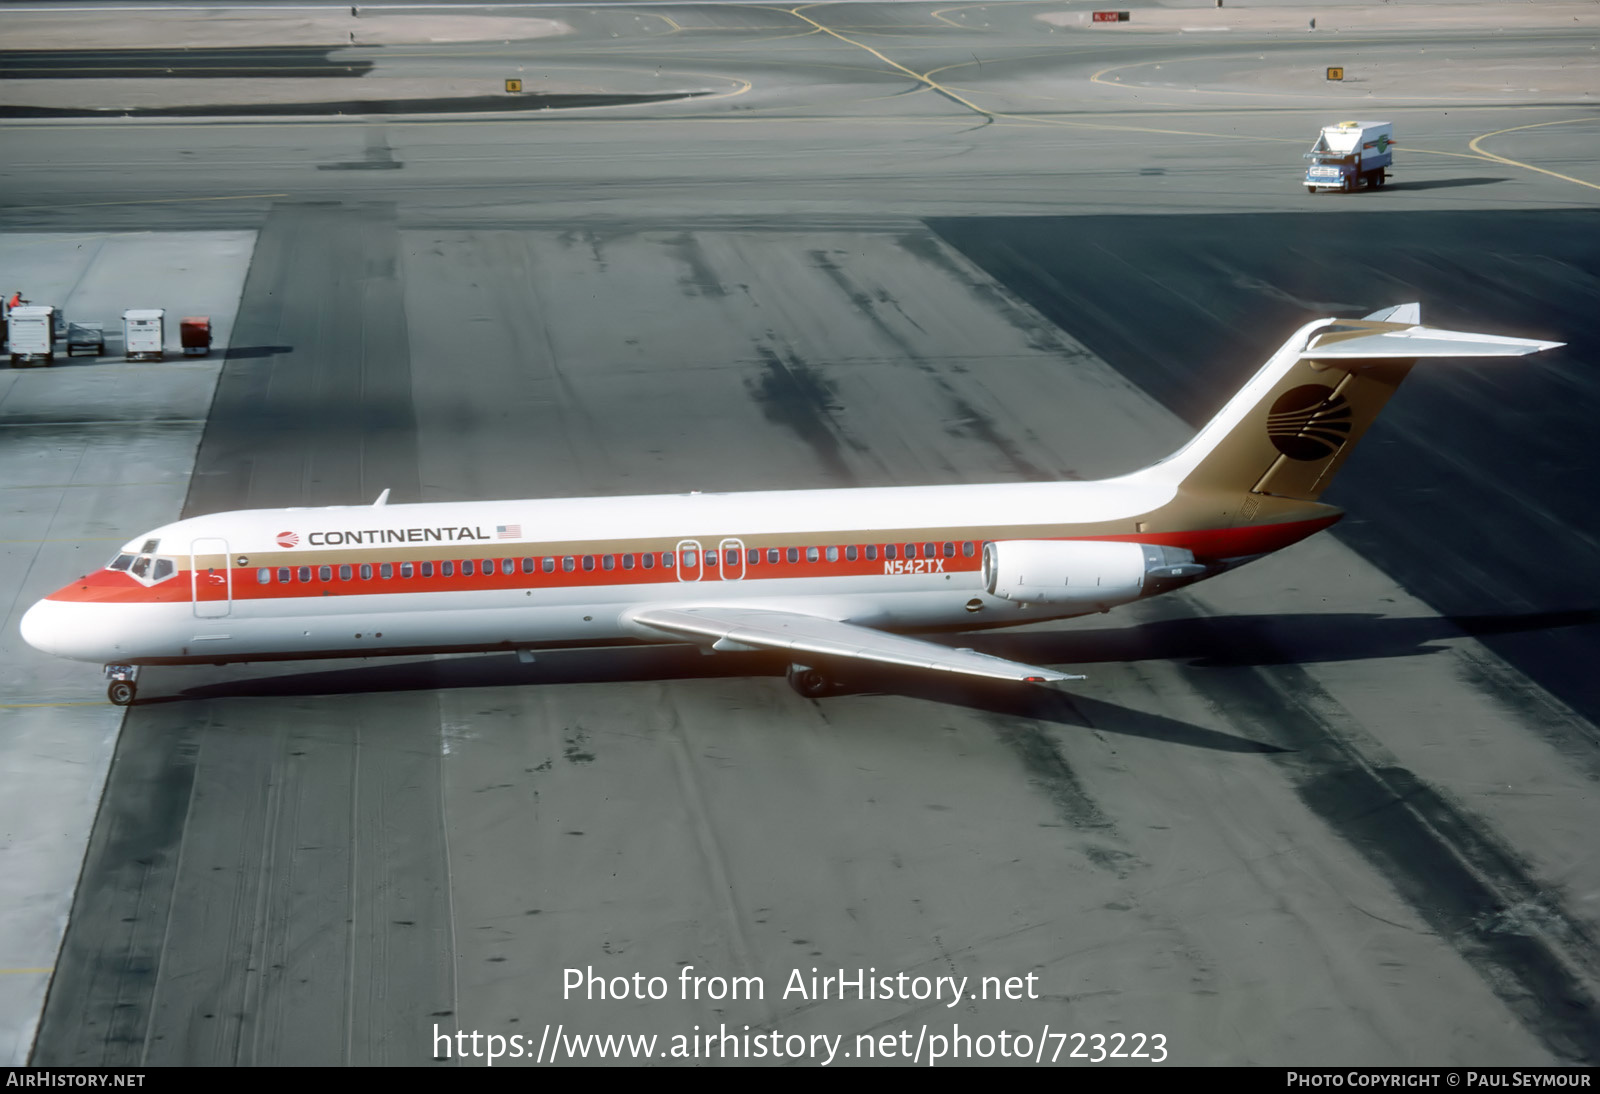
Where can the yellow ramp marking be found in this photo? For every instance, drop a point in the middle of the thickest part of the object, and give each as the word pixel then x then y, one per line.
pixel 1476 147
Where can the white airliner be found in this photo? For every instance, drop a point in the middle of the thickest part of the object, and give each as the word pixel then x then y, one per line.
pixel 826 577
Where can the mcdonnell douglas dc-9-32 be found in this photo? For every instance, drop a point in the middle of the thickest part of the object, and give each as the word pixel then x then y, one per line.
pixel 826 578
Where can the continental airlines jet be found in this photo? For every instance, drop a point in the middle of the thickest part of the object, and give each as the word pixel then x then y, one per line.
pixel 827 578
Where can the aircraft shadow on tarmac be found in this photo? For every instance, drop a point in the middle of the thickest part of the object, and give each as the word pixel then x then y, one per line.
pixel 1220 642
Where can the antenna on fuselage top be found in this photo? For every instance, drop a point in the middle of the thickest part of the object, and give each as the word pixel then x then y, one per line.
pixel 383 498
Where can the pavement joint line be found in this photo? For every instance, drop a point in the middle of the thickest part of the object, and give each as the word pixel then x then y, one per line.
pixel 26 971
pixel 1473 144
pixel 144 201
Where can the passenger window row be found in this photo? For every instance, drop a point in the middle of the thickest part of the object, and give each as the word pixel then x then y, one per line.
pixel 649 560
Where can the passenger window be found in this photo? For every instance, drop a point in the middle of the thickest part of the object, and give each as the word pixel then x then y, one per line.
pixel 163 569
pixel 366 571
pixel 263 576
pixel 689 558
pixel 833 554
pixel 324 573
pixel 811 554
pixel 305 573
pixel 966 549
pixel 548 565
pixel 467 568
pixel 627 562
pixel 427 569
pixel 608 562
pixel 711 558
pixel 488 567
pixel 386 570
pixel 283 575
pixel 508 566
pixel 872 552
pixel 447 569
pixel 527 565
pixel 793 554
pixel 345 573
pixel 121 562
pixel 911 550
pixel 648 560
pixel 772 554
pixel 949 550
pixel 890 552
pixel 667 560
pixel 753 556
pixel 568 564
pixel 850 553
pixel 406 570
pixel 588 562
pixel 930 550
pixel 732 557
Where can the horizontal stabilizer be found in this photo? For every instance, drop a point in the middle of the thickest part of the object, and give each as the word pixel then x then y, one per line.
pixel 1352 342
pixel 810 635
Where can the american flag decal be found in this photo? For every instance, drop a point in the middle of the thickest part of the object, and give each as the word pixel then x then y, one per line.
pixel 508 531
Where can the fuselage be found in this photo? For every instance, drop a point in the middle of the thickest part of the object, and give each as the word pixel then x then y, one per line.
pixel 368 580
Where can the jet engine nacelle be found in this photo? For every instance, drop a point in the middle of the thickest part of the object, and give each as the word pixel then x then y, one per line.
pixel 1092 574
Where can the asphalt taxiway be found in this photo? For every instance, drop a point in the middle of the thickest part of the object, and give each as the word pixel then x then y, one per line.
pixel 1334 808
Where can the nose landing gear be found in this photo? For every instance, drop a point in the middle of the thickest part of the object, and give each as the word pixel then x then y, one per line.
pixel 124 684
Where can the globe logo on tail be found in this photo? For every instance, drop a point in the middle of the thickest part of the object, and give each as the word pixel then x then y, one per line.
pixel 1309 422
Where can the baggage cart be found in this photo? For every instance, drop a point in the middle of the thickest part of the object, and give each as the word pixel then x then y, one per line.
pixel 194 333
pixel 86 336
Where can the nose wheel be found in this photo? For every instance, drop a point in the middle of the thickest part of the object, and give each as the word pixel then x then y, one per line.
pixel 124 684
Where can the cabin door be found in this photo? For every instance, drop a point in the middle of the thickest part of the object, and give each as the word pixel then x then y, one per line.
pixel 210 578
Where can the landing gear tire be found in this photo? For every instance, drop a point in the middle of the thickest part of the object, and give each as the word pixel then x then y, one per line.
pixel 121 692
pixel 809 682
pixel 1311 189
pixel 1378 179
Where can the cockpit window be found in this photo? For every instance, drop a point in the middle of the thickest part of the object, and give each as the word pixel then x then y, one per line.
pixel 149 569
pixel 150 546
pixel 121 562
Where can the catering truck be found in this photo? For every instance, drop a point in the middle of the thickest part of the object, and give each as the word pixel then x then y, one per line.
pixel 1349 154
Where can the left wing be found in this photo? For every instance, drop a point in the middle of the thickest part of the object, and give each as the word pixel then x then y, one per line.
pixel 730 629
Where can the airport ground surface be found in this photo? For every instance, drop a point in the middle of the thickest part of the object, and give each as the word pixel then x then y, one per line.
pixel 1337 807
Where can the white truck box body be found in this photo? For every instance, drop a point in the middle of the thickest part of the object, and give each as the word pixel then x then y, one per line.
pixel 142 332
pixel 32 333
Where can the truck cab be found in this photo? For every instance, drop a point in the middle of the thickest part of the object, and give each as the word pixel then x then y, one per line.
pixel 1350 154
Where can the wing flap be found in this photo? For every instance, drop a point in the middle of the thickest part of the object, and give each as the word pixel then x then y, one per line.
pixel 792 632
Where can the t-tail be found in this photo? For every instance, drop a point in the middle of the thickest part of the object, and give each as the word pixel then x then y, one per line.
pixel 1278 443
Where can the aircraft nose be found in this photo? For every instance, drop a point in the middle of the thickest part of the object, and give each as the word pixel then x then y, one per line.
pixel 41 628
pixel 57 627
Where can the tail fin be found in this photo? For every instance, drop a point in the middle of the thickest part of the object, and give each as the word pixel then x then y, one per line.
pixel 1289 430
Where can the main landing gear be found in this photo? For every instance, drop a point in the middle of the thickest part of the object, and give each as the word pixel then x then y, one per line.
pixel 124 684
pixel 810 682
